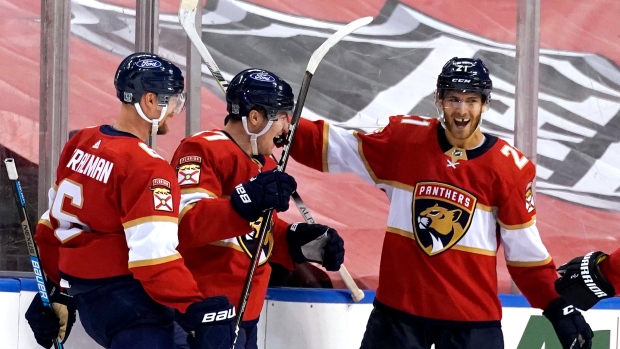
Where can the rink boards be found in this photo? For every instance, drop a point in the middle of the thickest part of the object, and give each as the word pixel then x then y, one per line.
pixel 322 319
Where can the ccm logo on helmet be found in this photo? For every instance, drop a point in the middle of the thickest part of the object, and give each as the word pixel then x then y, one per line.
pixel 148 63
pixel 466 81
pixel 262 77
pixel 219 316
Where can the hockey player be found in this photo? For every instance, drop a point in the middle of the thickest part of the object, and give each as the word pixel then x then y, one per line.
pixel 227 181
pixel 587 279
pixel 110 234
pixel 455 194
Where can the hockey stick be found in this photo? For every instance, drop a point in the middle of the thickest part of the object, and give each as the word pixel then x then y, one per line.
pixel 32 247
pixel 187 15
pixel 315 59
pixel 356 294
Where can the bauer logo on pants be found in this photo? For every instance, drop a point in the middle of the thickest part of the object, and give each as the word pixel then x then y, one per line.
pixel 442 214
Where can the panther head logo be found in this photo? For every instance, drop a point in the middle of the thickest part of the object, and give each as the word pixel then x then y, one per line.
pixel 441 215
pixel 442 226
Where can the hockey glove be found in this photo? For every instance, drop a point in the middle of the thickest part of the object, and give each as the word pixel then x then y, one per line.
pixel 571 328
pixel 269 190
pixel 211 323
pixel 582 283
pixel 48 324
pixel 315 243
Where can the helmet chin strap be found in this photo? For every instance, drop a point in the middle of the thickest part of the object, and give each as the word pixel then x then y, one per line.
pixel 254 136
pixel 154 123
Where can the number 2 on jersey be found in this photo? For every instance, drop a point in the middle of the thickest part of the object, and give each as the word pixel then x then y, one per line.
pixel 520 161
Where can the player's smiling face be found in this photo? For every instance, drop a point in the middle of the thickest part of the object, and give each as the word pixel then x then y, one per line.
pixel 462 112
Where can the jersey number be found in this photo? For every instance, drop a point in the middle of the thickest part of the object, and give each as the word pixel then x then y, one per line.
pixel 66 221
pixel 520 161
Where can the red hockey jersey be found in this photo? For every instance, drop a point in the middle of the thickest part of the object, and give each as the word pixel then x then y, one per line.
pixel 113 214
pixel 611 270
pixel 450 209
pixel 216 243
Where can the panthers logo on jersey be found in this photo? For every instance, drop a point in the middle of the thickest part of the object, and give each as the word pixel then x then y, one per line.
pixel 442 214
pixel 248 242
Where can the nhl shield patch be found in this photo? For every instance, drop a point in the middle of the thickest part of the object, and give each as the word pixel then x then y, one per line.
pixel 188 171
pixel 441 215
pixel 162 196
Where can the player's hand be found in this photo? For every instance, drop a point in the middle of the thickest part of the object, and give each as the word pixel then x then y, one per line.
pixel 51 324
pixel 582 283
pixel 212 324
pixel 315 243
pixel 270 190
pixel 571 328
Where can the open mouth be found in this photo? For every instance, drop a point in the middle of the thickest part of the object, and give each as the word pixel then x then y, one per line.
pixel 461 122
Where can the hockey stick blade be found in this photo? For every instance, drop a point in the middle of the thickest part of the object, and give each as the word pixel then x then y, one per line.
pixel 356 294
pixel 318 55
pixel 32 248
pixel 187 18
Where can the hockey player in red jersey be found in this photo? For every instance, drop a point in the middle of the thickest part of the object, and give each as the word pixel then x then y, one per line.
pixel 227 181
pixel 110 235
pixel 587 279
pixel 455 194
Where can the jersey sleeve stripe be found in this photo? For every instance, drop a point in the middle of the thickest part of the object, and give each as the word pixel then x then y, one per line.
pixel 524 246
pixel 45 221
pixel 517 226
pixel 529 264
pixel 149 219
pixel 152 241
pixel 325 146
pixel 156 261
pixel 197 190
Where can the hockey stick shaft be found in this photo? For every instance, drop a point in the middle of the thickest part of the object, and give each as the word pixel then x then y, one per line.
pixel 356 294
pixel 187 14
pixel 20 200
pixel 315 59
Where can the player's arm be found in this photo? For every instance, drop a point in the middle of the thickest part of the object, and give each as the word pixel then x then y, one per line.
pixel 530 265
pixel 329 148
pixel 150 203
pixel 206 212
pixel 610 268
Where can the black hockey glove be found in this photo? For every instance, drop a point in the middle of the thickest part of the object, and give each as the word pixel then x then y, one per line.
pixel 315 243
pixel 211 324
pixel 269 190
pixel 582 283
pixel 48 324
pixel 571 328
